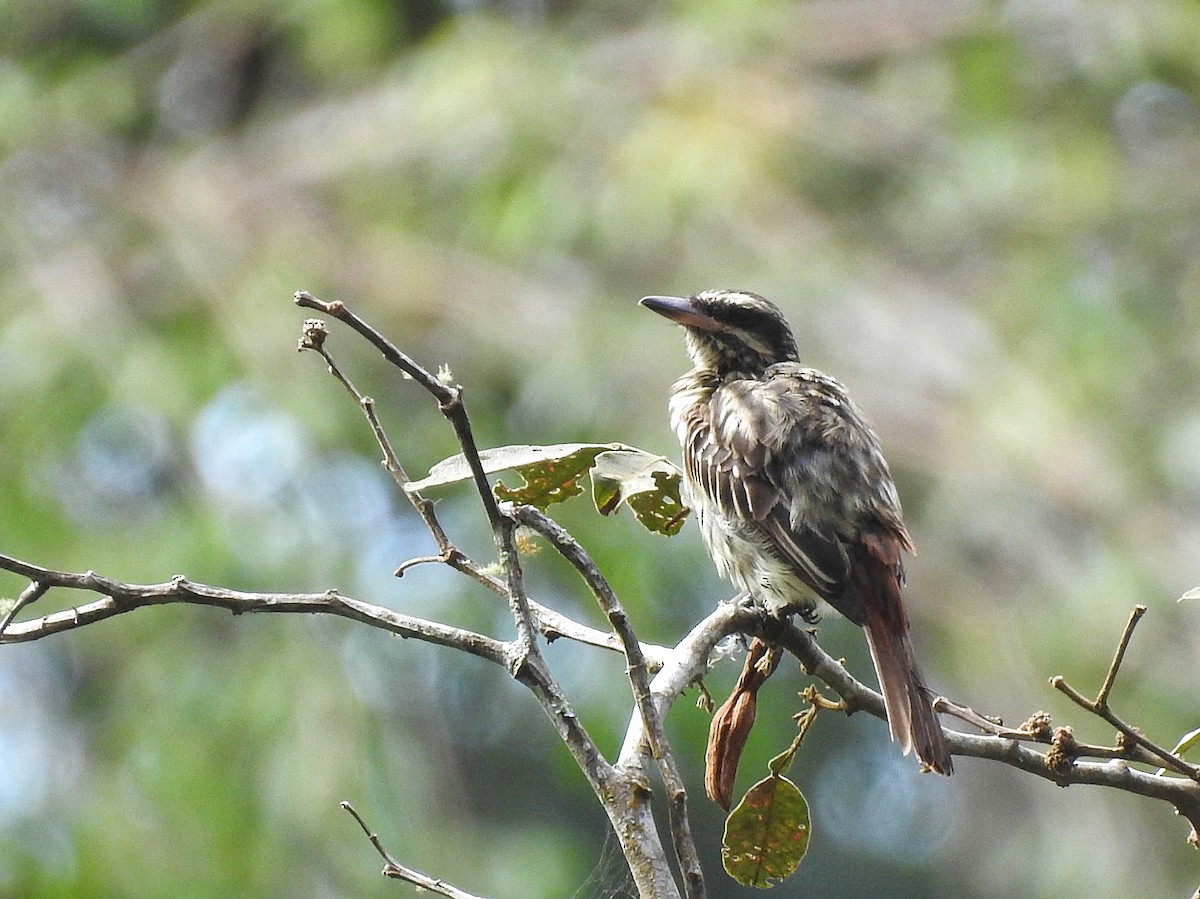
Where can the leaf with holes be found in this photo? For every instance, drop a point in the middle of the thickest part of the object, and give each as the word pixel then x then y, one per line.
pixel 767 835
pixel 648 484
pixel 621 475
pixel 551 479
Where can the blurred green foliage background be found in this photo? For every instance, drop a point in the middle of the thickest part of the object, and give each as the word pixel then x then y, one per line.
pixel 983 216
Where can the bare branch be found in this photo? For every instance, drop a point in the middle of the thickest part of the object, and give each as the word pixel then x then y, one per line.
pixel 1060 764
pixel 629 813
pixel 1111 677
pixel 1033 729
pixel 450 403
pixel 554 625
pixel 551 624
pixel 449 398
pixel 1130 736
pixel 413 563
pixel 1183 794
pixel 314 338
pixel 639 679
pixel 394 869
pixel 119 598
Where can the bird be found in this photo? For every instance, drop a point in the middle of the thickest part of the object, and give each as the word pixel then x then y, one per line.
pixel 792 493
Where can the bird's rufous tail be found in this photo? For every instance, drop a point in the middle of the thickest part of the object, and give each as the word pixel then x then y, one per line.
pixel 907 700
pixel 910 715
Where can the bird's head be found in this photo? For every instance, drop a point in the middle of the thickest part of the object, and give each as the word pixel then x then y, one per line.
pixel 729 330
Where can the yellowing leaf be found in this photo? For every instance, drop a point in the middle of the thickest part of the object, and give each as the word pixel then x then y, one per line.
pixel 621 475
pixel 767 835
pixel 550 480
pixel 648 484
pixel 518 458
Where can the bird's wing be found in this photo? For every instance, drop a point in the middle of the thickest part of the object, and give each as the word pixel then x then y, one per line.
pixel 746 451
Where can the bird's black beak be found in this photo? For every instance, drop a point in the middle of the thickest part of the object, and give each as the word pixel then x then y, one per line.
pixel 682 311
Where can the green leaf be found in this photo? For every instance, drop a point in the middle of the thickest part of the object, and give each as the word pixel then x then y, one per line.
pixel 1186 742
pixel 767 835
pixel 554 478
pixel 648 484
pixel 622 475
pixel 518 458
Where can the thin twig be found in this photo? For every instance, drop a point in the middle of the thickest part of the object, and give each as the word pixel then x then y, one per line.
pixel 449 398
pixel 528 616
pixel 554 625
pixel 1033 730
pixel 1161 755
pixel 122 598
pixel 393 868
pixel 413 563
pixel 1100 707
pixel 1183 794
pixel 804 722
pixel 314 339
pixel 1111 676
pixel 34 591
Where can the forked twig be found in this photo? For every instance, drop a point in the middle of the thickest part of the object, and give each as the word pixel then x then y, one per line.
pixel 550 623
pixel 527 663
pixel 449 398
pixel 1100 707
pixel 394 869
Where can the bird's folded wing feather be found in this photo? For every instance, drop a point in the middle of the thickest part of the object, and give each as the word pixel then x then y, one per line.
pixel 744 450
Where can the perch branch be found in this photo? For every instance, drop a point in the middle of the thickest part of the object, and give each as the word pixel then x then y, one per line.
pixel 1061 764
